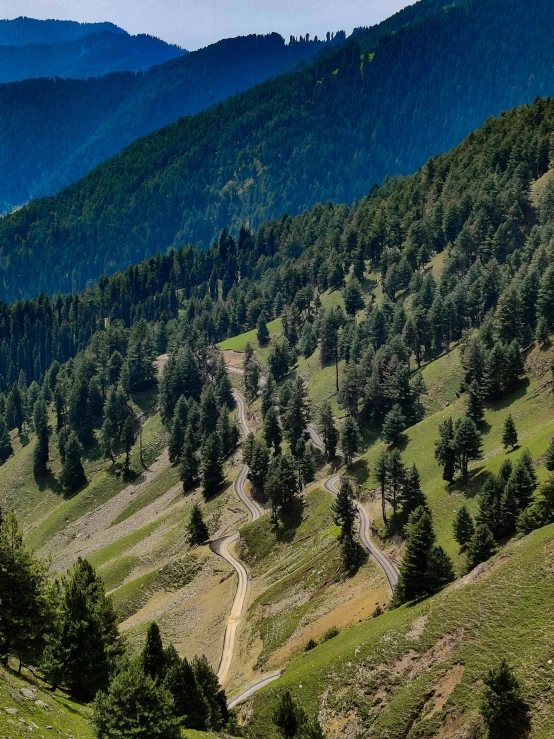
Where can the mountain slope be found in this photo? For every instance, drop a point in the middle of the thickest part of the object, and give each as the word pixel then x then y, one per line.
pixel 54 131
pixel 23 31
pixel 329 131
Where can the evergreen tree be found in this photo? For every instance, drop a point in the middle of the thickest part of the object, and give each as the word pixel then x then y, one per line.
pixel 394 425
pixel 262 332
pixel 521 485
pixel 297 413
pixel 6 448
pixel 481 547
pixel 353 297
pixel 24 613
pixel 135 705
pixel 463 526
pixel 281 485
pixel 178 430
pixel 227 432
pixel 258 466
pixel 306 465
pixel 475 407
pixel 208 683
pixel 272 430
pixel 344 510
pixel 223 387
pixel 350 390
pixel 188 469
pixel 152 657
pixel 15 415
pixel 440 570
pixel 412 495
pixel 268 395
pixel 396 479
pixel 197 531
pixel 128 439
pixel 42 430
pixel 209 412
pixel 72 474
pixel 350 439
pixel 189 702
pixel 419 388
pixel 504 709
pixel 467 444
pixel 444 450
pixel 292 722
pixel 308 340
pixel 509 435
pixel 81 650
pixel 328 431
pixel 381 473
pixel 211 466
pixel 509 511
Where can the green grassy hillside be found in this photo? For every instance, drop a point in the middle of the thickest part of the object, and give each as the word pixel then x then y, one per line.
pixel 417 671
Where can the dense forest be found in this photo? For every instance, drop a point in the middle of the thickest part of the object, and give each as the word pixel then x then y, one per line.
pixel 53 131
pixel 285 145
pixel 23 31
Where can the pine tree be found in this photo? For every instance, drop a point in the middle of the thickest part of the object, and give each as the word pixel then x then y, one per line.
pixel 420 388
pixel 353 297
pixel 509 435
pixel 281 485
pixel 306 466
pixel 396 479
pixel 178 430
pixel 72 474
pixel 412 495
pixel 463 526
pixel 135 705
pixel 211 465
pixel 6 448
pixel 128 439
pixel 475 407
pixel 42 430
pixel 197 531
pixel 208 411
pixel 444 450
pixel 227 432
pixel 344 510
pixel 509 511
pixel 288 717
pixel 223 387
pixel 189 702
pixel 24 612
pixel 272 430
pixel 262 332
pixel 504 709
pixel 15 416
pixel 521 485
pixel 258 466
pixel 251 374
pixel 394 425
pixel 414 580
pixel 481 547
pixel 467 444
pixel 297 413
pixel 268 395
pixel 350 439
pixel 381 472
pixel 81 650
pixel 328 431
pixel 208 683
pixel 188 469
pixel 152 657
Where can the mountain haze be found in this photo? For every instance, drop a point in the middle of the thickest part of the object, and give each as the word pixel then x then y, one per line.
pixel 331 130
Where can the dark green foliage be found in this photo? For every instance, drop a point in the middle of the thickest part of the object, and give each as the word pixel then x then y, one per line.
pixel 262 332
pixel 350 439
pixel 72 475
pixel 425 567
pixel 281 485
pixel 549 457
pixel 541 512
pixel 521 484
pixel 444 450
pixel 24 608
pixel 297 413
pixel 344 510
pixel 328 431
pixel 82 647
pixel 6 448
pixel 394 425
pixel 152 657
pixel 412 496
pixel 481 546
pixel 252 374
pixel 353 297
pixel 189 702
pixel 475 408
pixel 509 434
pixel 503 707
pixel 42 431
pixel 197 531
pixel 207 682
pixel 467 444
pixel 268 395
pixel 272 430
pixel 189 467
pixel 463 526
pixel 211 465
pixel 257 459
pixel 292 721
pixel 308 340
pixel 15 416
pixel 135 705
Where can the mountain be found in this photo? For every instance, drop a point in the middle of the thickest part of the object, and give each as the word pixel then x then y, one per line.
pixel 430 301
pixel 54 131
pixel 32 48
pixel 331 130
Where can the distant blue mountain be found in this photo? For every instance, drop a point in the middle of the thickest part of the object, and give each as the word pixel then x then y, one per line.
pixel 31 48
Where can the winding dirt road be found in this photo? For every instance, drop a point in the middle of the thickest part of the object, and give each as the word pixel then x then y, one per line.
pixel 221 547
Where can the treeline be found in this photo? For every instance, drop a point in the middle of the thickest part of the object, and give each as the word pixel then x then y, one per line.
pixel 345 130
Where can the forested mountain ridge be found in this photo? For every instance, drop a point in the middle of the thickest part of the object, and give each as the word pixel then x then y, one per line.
pixel 31 48
pixel 54 131
pixel 329 131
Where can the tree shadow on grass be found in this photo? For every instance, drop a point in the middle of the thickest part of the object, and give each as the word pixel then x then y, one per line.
pixel 506 402
pixel 287 525
pixel 474 485
pixel 359 471
pixel 47 481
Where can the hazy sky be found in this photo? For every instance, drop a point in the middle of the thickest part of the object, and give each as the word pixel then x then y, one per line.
pixel 196 23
